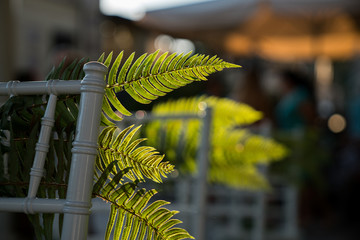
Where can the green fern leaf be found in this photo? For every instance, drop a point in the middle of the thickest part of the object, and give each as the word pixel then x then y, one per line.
pixel 111 97
pixel 105 173
pixel 132 72
pixel 101 58
pixel 157 64
pixel 111 222
pixel 136 95
pixel 235 151
pixel 124 69
pixel 108 111
pixel 146 65
pixel 57 71
pixel 157 88
pixel 105 121
pixel 149 77
pixel 67 72
pixel 108 59
pixel 78 72
pixel 116 145
pixel 132 217
pixel 114 68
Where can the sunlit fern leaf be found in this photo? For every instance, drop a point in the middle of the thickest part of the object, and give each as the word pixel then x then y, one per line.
pixel 149 76
pixel 235 151
pixel 132 217
pixel 101 58
pixel 108 59
pixel 257 149
pixel 114 68
pixel 108 111
pixel 237 176
pixel 116 145
pixel 108 172
pixel 110 99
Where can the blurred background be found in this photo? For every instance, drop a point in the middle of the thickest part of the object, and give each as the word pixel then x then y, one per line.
pixel 301 68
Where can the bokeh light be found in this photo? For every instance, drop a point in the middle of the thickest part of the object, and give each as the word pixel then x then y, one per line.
pixel 337 123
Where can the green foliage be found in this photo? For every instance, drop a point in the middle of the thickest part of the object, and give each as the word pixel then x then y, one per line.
pixel 143 161
pixel 121 162
pixel 150 76
pixel 235 151
pixel 131 216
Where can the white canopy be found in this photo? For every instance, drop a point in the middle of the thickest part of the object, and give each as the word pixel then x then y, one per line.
pixel 279 29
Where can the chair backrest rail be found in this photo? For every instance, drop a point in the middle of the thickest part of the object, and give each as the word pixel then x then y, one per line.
pixel 32 205
pixel 57 87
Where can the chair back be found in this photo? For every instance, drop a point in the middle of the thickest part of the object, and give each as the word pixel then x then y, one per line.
pixel 76 206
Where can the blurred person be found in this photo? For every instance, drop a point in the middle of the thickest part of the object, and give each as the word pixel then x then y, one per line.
pixel 305 168
pixel 295 109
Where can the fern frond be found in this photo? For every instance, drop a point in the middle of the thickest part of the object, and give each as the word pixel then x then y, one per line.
pixel 150 76
pixel 132 217
pixel 239 176
pixel 110 100
pixel 116 145
pixel 235 151
pixel 232 113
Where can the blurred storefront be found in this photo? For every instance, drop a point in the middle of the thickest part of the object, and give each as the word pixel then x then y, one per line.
pixel 34 34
